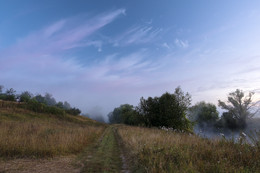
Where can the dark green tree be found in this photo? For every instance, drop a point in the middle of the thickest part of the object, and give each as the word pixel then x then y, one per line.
pixel 169 110
pixel 204 114
pixel 25 96
pixel 10 95
pixel 73 111
pixel 148 111
pixel 60 105
pixel 122 114
pixel 40 99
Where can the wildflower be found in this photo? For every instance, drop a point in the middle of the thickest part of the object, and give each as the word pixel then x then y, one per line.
pixel 221 134
pixel 243 134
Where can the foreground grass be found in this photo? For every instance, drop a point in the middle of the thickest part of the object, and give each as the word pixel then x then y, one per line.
pixel 27 134
pixel 161 151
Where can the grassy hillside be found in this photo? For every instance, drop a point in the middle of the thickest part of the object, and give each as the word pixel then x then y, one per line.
pixel 116 148
pixel 155 150
pixel 24 133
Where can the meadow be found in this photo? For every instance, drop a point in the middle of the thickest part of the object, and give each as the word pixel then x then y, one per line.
pixel 97 147
pixel 27 134
pixel 155 150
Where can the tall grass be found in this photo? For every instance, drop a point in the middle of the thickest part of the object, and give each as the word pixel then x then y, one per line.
pixel 24 133
pixel 45 139
pixel 160 151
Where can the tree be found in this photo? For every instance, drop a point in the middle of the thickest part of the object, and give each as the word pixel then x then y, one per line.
pixel 2 96
pixel 66 105
pixel 73 111
pixel 25 96
pixel 239 107
pixel 122 114
pixel 49 99
pixel 1 88
pixel 169 110
pixel 148 111
pixel 60 105
pixel 204 114
pixel 40 99
pixel 10 94
pixel 183 99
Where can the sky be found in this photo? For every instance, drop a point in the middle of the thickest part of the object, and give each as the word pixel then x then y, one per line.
pixel 100 54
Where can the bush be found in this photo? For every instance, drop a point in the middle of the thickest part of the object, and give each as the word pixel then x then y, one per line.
pixel 73 111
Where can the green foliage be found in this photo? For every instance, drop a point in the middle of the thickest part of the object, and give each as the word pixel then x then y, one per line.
pixel 73 111
pixel 49 99
pixel 66 105
pixel 10 95
pixel 40 99
pixel 239 108
pixel 60 105
pixel 40 104
pixel 204 114
pixel 123 114
pixel 25 96
pixel 42 108
pixel 169 110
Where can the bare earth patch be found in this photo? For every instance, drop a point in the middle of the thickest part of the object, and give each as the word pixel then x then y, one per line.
pixel 55 165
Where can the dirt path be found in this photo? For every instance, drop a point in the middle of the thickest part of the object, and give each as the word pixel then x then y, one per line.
pixel 106 155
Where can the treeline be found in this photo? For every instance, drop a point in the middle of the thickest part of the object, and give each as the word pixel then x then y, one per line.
pixel 38 103
pixel 168 110
pixel 238 110
pixel 174 111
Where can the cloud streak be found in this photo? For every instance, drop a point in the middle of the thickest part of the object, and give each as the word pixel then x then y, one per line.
pixel 137 35
pixel 181 43
pixel 45 47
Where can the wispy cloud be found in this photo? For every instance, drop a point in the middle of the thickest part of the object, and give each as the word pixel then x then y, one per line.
pixel 166 45
pixel 39 57
pixel 53 40
pixel 137 35
pixel 181 43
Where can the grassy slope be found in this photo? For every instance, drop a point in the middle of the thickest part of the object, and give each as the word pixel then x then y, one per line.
pixel 27 134
pixel 160 151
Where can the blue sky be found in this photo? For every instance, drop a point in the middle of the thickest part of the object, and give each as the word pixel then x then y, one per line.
pixel 100 54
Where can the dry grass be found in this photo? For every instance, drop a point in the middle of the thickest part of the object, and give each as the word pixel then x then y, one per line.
pixel 43 165
pixel 161 151
pixel 44 138
pixel 24 133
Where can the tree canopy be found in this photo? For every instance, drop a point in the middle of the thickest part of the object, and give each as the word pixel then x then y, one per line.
pixel 39 103
pixel 204 114
pixel 239 108
pixel 168 110
pixel 122 114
